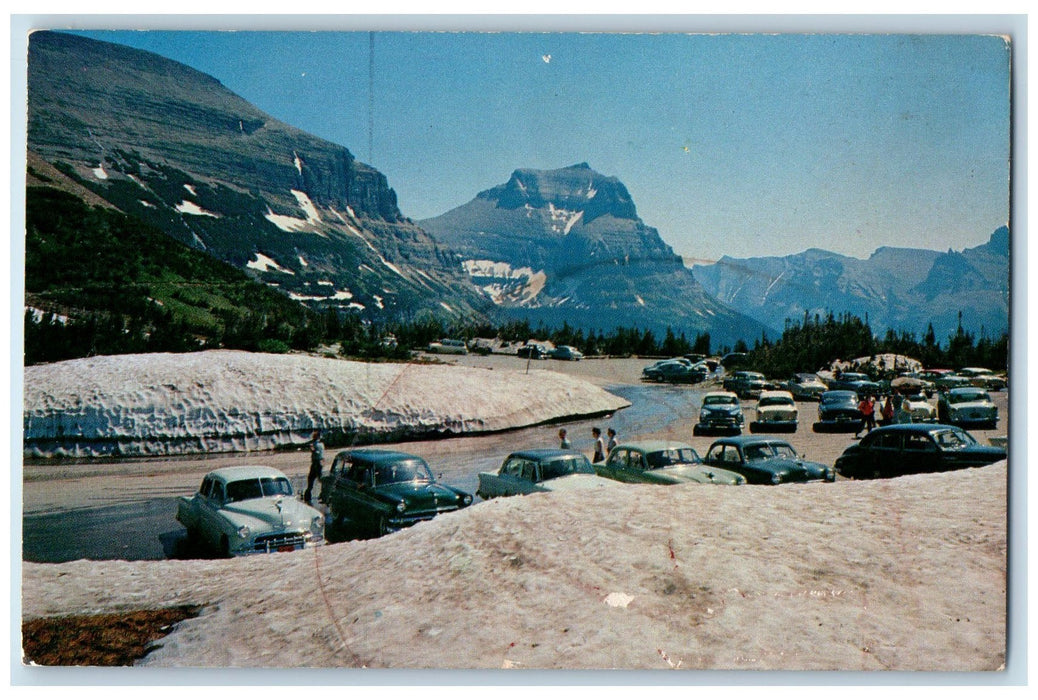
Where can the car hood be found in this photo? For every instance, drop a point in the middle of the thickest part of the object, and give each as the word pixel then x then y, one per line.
pixel 263 514
pixel 987 453
pixel 721 408
pixel 970 405
pixel 420 494
pixel 784 410
pixel 575 482
pixel 795 468
pixel 701 474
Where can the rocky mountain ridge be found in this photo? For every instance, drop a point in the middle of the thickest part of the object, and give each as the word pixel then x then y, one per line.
pixel 172 146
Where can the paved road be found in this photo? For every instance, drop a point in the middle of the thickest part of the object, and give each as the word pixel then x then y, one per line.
pixel 91 513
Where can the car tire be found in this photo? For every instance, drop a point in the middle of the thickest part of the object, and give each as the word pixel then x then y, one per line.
pixel 382 526
pixel 697 431
pixel 754 427
pixel 818 428
pixel 225 547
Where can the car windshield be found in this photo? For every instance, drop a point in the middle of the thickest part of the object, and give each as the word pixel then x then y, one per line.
pixel 561 466
pixel 854 377
pixel 667 458
pixel 964 396
pixel 776 401
pixel 840 397
pixel 784 451
pixel 402 471
pixel 954 439
pixel 245 489
pixel 720 401
pixel 755 453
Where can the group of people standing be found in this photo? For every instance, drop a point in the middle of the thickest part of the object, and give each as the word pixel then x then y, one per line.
pixel 867 407
pixel 602 445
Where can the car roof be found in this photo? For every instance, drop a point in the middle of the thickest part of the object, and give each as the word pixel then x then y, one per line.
pixel 776 392
pixel 924 428
pixel 653 445
pixel 375 456
pixel 545 453
pixel 721 393
pixel 743 440
pixel 839 392
pixel 245 472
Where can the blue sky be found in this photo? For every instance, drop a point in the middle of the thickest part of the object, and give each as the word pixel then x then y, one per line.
pixel 733 144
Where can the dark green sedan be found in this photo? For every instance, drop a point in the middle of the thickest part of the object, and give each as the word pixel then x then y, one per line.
pixel 383 491
pixel 765 460
pixel 913 448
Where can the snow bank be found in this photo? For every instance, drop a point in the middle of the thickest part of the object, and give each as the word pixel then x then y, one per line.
pixel 219 401
pixel 895 574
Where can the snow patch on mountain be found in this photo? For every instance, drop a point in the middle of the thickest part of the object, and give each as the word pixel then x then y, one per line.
pixel 505 284
pixel 284 222
pixel 563 220
pixel 186 207
pixel 264 263
pixel 307 206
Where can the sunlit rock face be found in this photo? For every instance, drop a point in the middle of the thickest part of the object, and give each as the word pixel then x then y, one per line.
pixel 567 245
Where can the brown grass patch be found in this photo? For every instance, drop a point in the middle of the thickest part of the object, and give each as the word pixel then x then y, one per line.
pixel 113 639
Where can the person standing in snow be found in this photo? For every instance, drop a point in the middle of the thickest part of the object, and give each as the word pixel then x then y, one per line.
pixel 612 440
pixel 599 455
pixel 316 464
pixel 564 443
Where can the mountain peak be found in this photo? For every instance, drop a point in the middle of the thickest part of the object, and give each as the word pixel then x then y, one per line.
pixel 576 188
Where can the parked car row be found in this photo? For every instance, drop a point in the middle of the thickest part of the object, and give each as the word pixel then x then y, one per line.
pixel 536 351
pixel 247 510
pixel 677 370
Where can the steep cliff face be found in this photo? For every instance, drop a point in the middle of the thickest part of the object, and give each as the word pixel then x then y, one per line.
pixel 171 145
pixel 567 245
pixel 551 219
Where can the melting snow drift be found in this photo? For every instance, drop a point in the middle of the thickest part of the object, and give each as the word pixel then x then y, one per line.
pixel 221 401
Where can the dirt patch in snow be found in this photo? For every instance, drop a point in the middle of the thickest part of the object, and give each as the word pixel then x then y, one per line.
pixel 114 639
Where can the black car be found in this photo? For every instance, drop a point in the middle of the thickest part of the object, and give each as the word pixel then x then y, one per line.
pixel 857 382
pixel 384 490
pixel 674 372
pixel 837 410
pixel 765 460
pixel 912 448
pixel 532 352
pixel 745 384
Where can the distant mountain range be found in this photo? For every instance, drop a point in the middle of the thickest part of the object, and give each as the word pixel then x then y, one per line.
pixel 153 139
pixel 896 288
pixel 173 147
pixel 567 245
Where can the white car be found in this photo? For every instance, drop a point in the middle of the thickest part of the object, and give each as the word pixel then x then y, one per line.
pixel 984 378
pixel 249 510
pixel 916 409
pixel 776 411
pixel 806 387
pixel 967 406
